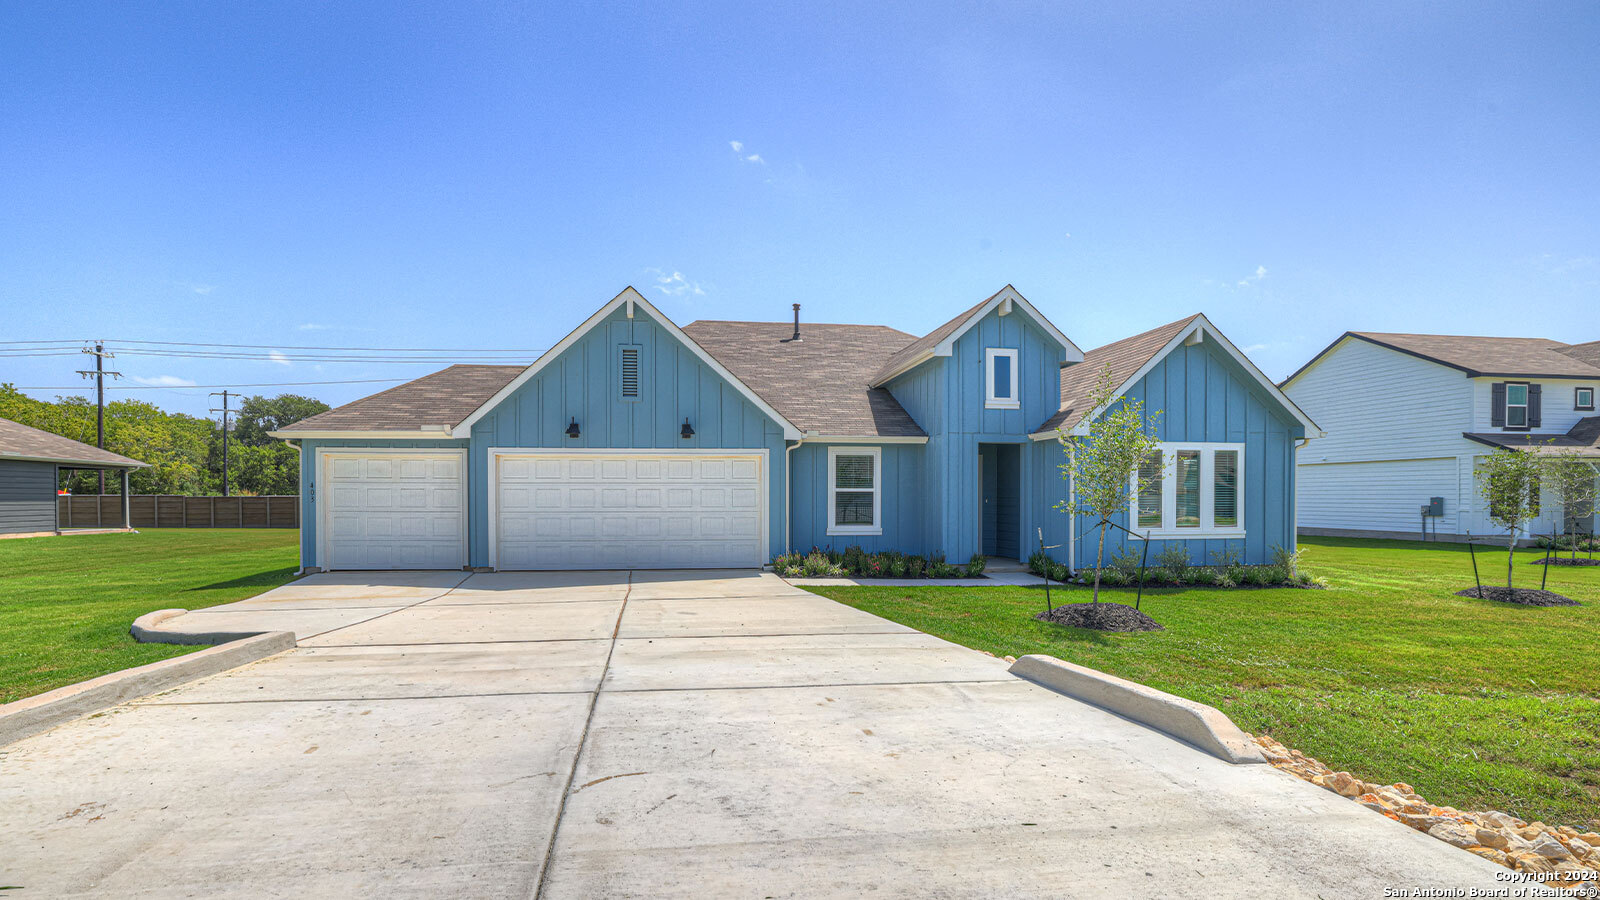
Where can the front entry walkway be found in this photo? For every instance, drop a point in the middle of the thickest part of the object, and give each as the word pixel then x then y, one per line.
pixel 681 734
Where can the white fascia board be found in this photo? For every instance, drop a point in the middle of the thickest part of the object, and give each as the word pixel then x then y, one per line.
pixel 632 298
pixel 813 438
pixel 1201 323
pixel 1009 294
pixel 910 364
pixel 440 434
pixel 1043 436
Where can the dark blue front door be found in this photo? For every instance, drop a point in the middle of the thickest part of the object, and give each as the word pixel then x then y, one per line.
pixel 1001 465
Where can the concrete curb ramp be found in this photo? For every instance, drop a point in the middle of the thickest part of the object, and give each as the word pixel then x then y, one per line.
pixel 147 630
pixel 32 715
pixel 1203 726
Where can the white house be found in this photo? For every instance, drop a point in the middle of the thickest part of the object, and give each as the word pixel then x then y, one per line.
pixel 1408 415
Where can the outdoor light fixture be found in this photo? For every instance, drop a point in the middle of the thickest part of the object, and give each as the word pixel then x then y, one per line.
pixel 572 430
pixel 688 430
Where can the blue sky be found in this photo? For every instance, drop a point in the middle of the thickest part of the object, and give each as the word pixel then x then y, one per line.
pixel 485 175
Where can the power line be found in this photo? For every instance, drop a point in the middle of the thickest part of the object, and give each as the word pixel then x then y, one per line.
pixel 191 387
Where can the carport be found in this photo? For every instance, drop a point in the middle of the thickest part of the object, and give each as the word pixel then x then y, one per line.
pixel 31 461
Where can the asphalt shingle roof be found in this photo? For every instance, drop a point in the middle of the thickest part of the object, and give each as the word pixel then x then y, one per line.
pixel 927 342
pixel 821 383
pixel 1123 357
pixel 1584 437
pixel 18 441
pixel 444 398
pixel 1520 357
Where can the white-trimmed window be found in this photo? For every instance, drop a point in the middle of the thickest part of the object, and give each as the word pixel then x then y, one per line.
pixel 1000 378
pixel 1583 399
pixel 1516 405
pixel 855 490
pixel 1195 490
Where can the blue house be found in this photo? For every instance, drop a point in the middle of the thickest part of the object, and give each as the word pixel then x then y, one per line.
pixel 634 443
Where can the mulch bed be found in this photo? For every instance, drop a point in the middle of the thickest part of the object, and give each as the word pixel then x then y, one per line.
pixel 1519 596
pixel 1566 561
pixel 1100 617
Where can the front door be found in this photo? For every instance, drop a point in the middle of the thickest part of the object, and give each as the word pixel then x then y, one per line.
pixel 1001 467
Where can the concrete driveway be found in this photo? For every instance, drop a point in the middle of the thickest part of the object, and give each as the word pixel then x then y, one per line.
pixel 652 734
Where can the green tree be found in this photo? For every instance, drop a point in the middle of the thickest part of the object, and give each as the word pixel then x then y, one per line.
pixel 259 415
pixel 1571 480
pixel 1103 466
pixel 1508 481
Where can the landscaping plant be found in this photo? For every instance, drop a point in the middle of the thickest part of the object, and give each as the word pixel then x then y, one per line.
pixel 1572 481
pixel 1103 466
pixel 1508 480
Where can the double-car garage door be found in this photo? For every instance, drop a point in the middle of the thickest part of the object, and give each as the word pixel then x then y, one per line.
pixel 577 510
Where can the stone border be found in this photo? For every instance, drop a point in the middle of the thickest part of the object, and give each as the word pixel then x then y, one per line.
pixel 1203 726
pixel 32 715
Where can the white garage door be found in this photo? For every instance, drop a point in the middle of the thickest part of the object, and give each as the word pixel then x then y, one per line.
pixel 605 511
pixel 394 511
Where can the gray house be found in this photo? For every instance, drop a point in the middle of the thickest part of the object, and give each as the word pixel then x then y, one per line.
pixel 30 460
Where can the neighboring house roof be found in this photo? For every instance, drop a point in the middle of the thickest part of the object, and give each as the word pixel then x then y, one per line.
pixel 1584 437
pixel 1124 357
pixel 1131 358
pixel 1585 353
pixel 822 382
pixel 939 341
pixel 436 403
pixel 1483 356
pixel 20 442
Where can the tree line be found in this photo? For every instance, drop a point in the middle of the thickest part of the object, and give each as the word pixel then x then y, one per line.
pixel 184 452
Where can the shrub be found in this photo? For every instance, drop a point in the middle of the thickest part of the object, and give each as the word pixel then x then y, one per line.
pixel 1127 562
pixel 1223 581
pixel 1287 560
pixel 817 564
pixel 1236 573
pixel 1258 576
pixel 1114 577
pixel 1203 576
pixel 915 566
pixel 1174 561
pixel 938 568
pixel 897 566
pixel 975 565
pixel 1226 558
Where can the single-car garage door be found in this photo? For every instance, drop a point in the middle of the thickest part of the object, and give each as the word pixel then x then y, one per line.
pixel 393 510
pixel 588 510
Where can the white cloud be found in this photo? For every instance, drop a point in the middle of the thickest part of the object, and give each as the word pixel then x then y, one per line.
pixel 313 326
pixel 738 152
pixel 1260 273
pixel 673 284
pixel 1254 348
pixel 164 381
pixel 279 358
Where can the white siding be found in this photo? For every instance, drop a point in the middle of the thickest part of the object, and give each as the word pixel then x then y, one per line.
pixel 1376 403
pixel 1378 496
pixel 1558 414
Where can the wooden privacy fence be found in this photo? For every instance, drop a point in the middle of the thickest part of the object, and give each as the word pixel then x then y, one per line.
pixel 170 511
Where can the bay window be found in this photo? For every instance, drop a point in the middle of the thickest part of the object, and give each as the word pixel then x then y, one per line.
pixel 1191 490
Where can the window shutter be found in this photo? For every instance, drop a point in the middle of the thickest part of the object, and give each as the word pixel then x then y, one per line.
pixel 1497 405
pixel 1533 405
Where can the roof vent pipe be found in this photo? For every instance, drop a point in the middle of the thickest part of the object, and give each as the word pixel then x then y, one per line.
pixel 796 323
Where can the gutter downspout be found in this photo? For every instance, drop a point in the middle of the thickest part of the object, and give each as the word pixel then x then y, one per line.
pixel 788 495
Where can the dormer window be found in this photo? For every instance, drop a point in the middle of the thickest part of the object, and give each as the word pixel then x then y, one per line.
pixel 1583 399
pixel 1000 378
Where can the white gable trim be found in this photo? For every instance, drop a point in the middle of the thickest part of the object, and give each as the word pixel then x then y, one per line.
pixel 632 299
pixel 1006 301
pixel 1194 333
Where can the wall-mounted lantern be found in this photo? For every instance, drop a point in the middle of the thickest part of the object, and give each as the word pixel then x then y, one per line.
pixel 688 430
pixel 572 430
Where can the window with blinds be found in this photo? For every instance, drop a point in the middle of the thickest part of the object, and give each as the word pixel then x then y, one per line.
pixel 628 374
pixel 1150 491
pixel 1225 489
pixel 1188 485
pixel 854 490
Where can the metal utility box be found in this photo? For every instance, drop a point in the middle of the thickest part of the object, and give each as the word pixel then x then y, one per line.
pixel 1435 507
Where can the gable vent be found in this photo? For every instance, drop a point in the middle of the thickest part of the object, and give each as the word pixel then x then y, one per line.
pixel 630 373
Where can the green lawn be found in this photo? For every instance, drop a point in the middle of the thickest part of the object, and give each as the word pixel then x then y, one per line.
pixel 1385 674
pixel 66 602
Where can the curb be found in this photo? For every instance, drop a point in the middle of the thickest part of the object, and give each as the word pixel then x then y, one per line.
pixel 1196 723
pixel 32 715
pixel 147 630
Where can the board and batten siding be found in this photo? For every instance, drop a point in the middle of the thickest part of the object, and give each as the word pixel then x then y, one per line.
pixel 27 496
pixel 902 509
pixel 309 497
pixel 946 397
pixel 583 383
pixel 1204 396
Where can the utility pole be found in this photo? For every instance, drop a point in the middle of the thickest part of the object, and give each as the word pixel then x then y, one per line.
pixel 99 375
pixel 224 411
